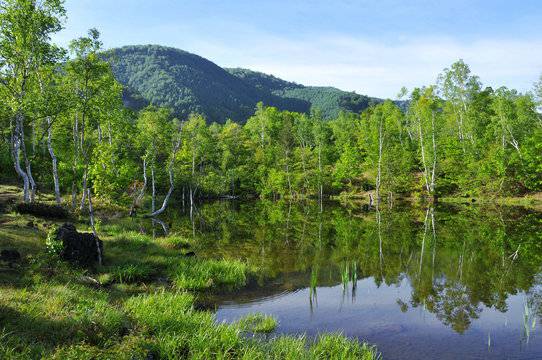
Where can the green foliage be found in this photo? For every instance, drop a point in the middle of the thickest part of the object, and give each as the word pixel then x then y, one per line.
pixel 197 274
pixel 132 273
pixel 52 243
pixel 257 323
pixel 336 346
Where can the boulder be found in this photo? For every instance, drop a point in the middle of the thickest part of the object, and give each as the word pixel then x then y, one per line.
pixel 78 248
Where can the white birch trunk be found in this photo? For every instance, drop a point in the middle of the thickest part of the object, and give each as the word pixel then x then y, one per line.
pixel 379 172
pixel 16 149
pixel 142 192
pixel 54 161
pixel 83 197
pixel 28 166
pixel 153 200
pixel 171 182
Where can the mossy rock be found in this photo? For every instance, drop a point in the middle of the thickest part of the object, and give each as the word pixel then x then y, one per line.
pixel 83 249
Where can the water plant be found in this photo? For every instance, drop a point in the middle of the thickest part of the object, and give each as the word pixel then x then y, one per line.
pixel 257 323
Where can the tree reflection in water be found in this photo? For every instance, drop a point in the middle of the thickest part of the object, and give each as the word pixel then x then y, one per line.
pixel 457 260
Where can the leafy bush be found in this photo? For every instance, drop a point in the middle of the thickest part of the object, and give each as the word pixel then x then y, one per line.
pixel 53 245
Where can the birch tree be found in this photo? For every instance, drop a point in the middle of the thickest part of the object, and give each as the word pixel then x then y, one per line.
pixel 26 27
pixel 155 130
pixel 457 85
pixel 425 121
pixel 87 75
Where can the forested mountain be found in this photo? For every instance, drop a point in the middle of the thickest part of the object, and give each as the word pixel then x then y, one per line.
pixel 328 99
pixel 189 83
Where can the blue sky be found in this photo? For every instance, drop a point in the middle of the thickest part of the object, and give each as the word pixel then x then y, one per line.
pixel 371 47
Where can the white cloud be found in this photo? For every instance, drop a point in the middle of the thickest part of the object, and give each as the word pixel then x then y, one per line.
pixel 378 69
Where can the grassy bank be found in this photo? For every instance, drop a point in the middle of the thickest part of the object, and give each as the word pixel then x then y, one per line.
pixel 141 304
pixel 530 201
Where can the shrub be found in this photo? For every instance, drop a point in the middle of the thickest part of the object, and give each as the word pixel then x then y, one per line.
pixel 53 244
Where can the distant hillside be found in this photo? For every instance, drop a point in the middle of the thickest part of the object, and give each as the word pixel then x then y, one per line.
pixel 329 100
pixel 189 83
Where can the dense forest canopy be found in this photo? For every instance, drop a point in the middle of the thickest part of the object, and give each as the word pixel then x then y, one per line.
pixel 66 129
pixel 188 83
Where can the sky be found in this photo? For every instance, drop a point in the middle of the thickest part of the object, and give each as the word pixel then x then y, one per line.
pixel 371 47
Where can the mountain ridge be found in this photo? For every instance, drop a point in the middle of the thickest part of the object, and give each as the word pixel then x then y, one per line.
pixel 187 82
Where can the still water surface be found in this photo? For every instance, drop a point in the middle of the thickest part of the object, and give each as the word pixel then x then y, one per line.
pixel 443 283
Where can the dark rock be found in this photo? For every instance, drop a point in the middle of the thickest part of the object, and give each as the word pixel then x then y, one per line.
pixel 190 254
pixel 42 210
pixel 10 255
pixel 78 248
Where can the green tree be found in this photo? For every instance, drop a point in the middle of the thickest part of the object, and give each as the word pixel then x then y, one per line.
pixel 26 27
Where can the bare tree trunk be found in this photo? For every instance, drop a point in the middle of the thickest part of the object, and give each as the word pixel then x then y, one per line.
pixel 153 200
pixel 140 196
pixel 85 158
pixel 321 187
pixel 82 205
pixel 75 158
pixel 54 160
pixel 432 185
pixel 16 149
pixel 28 166
pixel 171 182
pixel 379 173
pixel 92 224
pixel 166 199
pixel 162 224
pixel 424 163
pixel 192 180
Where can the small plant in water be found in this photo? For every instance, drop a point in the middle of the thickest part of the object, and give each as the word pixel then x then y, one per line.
pixel 257 323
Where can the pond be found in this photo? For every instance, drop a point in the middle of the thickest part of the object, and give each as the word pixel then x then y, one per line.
pixel 437 283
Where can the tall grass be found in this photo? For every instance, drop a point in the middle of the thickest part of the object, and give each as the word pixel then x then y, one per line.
pixel 198 274
pixel 257 323
pixel 50 310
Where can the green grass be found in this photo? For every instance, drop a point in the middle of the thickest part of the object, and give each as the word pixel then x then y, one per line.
pixel 45 316
pixel 336 346
pixel 197 274
pixel 139 304
pixel 257 323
